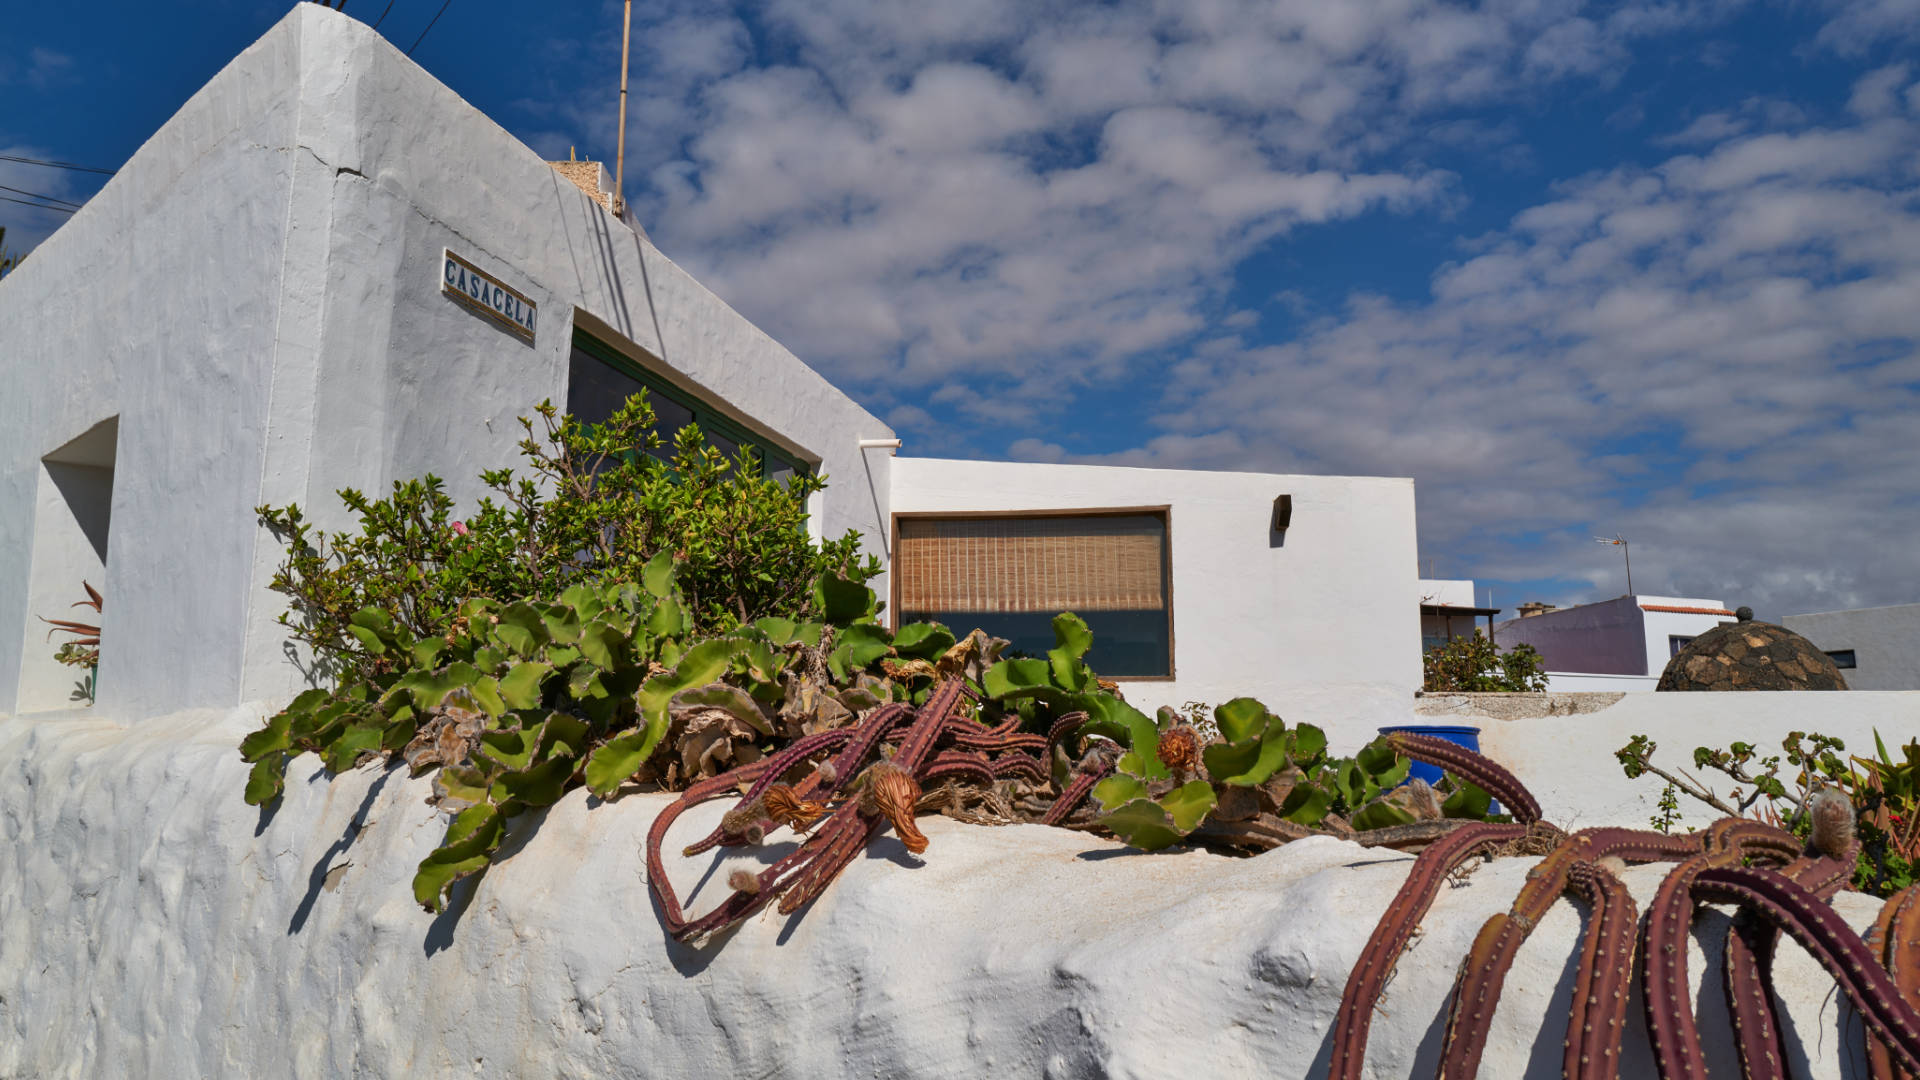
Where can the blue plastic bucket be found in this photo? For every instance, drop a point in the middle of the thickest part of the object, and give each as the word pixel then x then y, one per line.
pixel 1468 737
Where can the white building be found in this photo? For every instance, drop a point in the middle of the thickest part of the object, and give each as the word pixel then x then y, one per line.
pixel 327 271
pixel 1874 648
pixel 1618 644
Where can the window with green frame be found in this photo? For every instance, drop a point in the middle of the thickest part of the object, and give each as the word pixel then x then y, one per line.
pixel 600 379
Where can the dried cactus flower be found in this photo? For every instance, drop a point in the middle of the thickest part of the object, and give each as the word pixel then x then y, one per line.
pixel 887 790
pixel 1832 815
pixel 1613 864
pixel 827 773
pixel 743 880
pixel 1180 748
pixel 791 810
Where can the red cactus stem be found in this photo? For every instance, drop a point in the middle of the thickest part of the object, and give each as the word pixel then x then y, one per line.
pixel 831 857
pixel 967 733
pixel 1014 763
pixel 1748 968
pixel 963 764
pixel 700 792
pixel 1477 769
pixel 1895 942
pixel 1813 923
pixel 861 745
pixel 765 773
pixel 1391 934
pixel 1483 973
pixel 1599 1010
pixel 930 720
pixel 1093 768
pixel 1061 729
pixel 1663 939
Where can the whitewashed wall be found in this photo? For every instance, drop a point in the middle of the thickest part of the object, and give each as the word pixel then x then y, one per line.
pixel 154 925
pixel 1885 643
pixel 1323 625
pixel 256 295
pixel 1567 759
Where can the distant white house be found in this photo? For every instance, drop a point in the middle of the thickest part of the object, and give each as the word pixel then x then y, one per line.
pixel 1618 644
pixel 327 271
pixel 1874 648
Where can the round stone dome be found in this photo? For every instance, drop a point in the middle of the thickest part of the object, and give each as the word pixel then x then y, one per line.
pixel 1748 655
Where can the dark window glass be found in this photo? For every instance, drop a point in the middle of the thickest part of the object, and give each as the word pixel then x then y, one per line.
pixel 1675 643
pixel 598 384
pixel 1842 658
pixel 1010 576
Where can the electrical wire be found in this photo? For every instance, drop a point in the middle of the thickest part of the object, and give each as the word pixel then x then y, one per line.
pixel 43 206
pixel 430 26
pixel 37 195
pixel 56 164
pixel 383 15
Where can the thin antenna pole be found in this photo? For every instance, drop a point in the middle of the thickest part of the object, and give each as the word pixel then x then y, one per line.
pixel 1627 550
pixel 620 154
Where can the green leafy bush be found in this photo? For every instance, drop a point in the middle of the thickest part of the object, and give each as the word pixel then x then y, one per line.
pixel 1884 792
pixel 596 508
pixel 1475 664
pixel 1253 776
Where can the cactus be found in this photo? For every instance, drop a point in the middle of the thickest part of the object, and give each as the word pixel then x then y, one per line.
pixel 1895 942
pixel 1812 922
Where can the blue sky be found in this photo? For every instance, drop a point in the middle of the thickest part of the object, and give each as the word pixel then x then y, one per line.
pixel 1637 267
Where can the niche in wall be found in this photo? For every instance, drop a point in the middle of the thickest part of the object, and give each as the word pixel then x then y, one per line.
pixel 72 518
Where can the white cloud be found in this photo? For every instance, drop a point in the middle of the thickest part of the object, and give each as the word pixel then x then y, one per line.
pixel 976 214
pixel 1718 359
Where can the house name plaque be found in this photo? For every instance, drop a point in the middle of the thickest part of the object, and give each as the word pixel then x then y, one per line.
pixel 487 295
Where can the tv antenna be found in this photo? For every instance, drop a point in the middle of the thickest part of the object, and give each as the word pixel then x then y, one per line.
pixel 1621 542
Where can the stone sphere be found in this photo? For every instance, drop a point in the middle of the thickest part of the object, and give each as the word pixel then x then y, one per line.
pixel 1751 656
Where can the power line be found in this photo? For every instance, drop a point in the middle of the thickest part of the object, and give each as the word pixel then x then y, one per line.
pixel 56 164
pixel 37 195
pixel 43 206
pixel 383 15
pixel 423 33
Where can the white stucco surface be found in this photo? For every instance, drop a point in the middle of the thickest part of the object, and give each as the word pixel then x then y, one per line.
pixel 154 925
pixel 1567 760
pixel 256 296
pixel 1885 643
pixel 1321 623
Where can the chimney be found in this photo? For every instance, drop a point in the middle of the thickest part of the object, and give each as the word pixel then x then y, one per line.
pixel 591 177
pixel 1534 607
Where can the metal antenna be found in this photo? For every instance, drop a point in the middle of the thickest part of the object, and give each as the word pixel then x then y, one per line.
pixel 620 152
pixel 1621 541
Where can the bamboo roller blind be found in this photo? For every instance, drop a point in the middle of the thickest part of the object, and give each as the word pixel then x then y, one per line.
pixel 1111 562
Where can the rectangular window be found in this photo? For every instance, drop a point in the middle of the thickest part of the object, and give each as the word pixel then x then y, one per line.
pixel 600 379
pixel 1842 658
pixel 1675 643
pixel 1011 574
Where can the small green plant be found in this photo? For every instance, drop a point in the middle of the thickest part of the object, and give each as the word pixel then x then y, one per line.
pixel 1777 788
pixel 1474 664
pixel 597 507
pixel 1254 779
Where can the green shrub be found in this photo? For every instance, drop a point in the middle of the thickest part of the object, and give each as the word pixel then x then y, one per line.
pixel 1473 664
pixel 595 509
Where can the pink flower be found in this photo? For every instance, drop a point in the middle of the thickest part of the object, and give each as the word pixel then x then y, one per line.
pixel 459 528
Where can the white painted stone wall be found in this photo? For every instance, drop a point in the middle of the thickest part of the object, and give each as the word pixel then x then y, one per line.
pixel 256 296
pixel 1567 760
pixel 1885 643
pixel 1323 624
pixel 154 925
